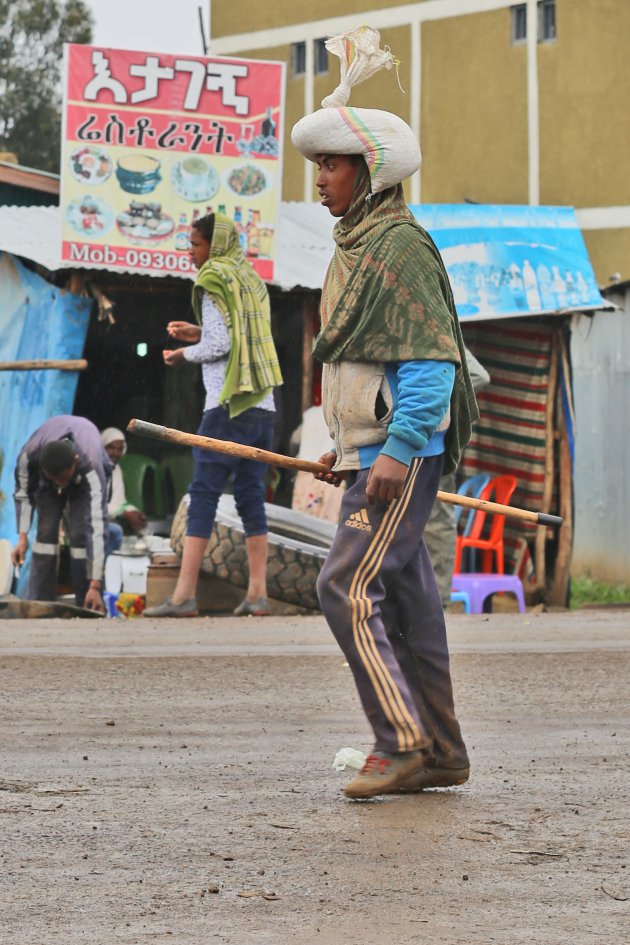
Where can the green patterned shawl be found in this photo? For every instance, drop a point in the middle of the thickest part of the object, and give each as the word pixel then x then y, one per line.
pixel 386 297
pixel 242 298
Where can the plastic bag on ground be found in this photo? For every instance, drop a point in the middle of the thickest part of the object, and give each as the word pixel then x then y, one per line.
pixel 349 758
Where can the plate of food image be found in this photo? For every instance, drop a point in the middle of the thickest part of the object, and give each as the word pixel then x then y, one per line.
pixel 90 164
pixel 194 179
pixel 246 180
pixel 90 216
pixel 143 223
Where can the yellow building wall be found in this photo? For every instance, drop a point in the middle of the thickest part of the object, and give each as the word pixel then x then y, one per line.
pixel 473 111
pixel 293 162
pixel 473 121
pixel 584 83
pixel 609 251
pixel 381 91
pixel 229 18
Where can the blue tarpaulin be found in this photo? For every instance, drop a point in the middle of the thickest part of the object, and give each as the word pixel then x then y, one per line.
pixel 37 321
pixel 505 261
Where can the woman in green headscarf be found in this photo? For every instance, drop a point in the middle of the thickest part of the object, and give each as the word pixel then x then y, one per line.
pixel 232 341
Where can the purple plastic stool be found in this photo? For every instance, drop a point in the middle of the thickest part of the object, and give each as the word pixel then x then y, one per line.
pixel 480 586
pixel 463 598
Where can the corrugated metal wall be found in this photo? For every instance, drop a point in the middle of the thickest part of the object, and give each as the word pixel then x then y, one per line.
pixel 600 352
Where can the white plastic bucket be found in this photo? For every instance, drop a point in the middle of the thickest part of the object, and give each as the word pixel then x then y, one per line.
pixel 127 574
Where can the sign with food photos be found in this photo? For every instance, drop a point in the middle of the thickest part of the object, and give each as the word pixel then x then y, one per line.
pixel 154 142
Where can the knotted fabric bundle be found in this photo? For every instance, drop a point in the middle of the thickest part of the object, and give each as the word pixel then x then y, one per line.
pixel 360 56
pixel 387 143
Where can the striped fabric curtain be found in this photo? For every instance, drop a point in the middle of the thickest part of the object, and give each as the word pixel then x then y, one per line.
pixel 514 434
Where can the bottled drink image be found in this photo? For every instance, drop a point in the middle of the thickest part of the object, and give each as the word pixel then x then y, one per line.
pixel 181 233
pixel 546 287
pixel 253 233
pixel 582 288
pixel 245 141
pixel 516 285
pixel 572 293
pixel 559 288
pixel 531 287
pixel 268 127
pixel 238 221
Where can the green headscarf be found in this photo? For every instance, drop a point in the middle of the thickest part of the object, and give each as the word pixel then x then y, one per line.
pixel 387 297
pixel 242 298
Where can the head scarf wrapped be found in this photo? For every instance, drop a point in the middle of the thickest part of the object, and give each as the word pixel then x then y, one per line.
pixel 242 298
pixel 111 434
pixel 387 297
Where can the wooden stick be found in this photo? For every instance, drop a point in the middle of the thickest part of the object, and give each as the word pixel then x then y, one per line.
pixel 156 431
pixel 78 365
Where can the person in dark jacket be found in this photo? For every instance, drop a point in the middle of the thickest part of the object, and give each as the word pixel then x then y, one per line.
pixel 63 471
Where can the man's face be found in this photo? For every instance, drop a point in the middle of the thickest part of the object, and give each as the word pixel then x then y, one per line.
pixel 335 181
pixel 199 249
pixel 62 479
pixel 115 450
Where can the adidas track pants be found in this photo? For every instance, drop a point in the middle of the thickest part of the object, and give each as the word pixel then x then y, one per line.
pixel 379 595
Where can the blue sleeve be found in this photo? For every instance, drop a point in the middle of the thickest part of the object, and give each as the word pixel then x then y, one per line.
pixel 424 395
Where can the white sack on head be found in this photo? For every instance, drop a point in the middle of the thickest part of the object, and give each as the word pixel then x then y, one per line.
pixel 360 56
pixel 387 143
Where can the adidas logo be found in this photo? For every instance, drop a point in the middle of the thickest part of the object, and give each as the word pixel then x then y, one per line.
pixel 359 520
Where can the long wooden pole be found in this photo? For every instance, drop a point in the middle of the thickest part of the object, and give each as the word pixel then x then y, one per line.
pixel 156 431
pixel 44 365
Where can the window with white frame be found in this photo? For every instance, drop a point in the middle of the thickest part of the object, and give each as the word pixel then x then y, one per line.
pixel 519 23
pixel 298 56
pixel 321 56
pixel 546 21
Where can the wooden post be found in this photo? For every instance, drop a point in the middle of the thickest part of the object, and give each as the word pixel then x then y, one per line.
pixel 44 365
pixel 558 592
pixel 550 414
pixel 307 348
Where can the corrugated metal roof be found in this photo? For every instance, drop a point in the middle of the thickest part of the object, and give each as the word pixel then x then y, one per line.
pixel 305 242
pixel 305 245
pixel 304 249
pixel 32 232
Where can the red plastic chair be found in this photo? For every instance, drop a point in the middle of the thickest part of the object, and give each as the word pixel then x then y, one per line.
pixel 499 490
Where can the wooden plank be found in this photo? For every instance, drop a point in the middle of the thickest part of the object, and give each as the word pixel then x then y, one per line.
pixel 44 365
pixel 541 535
pixel 559 590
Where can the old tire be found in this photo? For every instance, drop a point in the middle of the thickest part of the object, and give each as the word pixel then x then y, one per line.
pixel 298 545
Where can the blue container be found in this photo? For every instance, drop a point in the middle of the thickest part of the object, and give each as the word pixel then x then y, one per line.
pixel 138 174
pixel 109 600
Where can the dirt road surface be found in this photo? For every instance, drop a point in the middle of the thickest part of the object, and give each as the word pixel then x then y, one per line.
pixel 172 782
